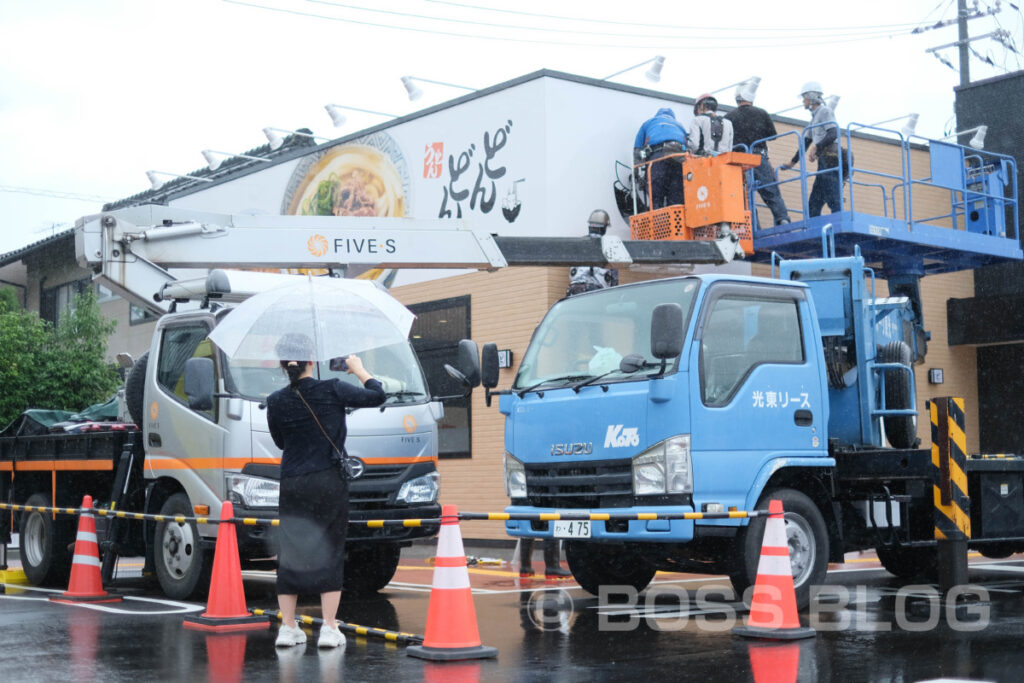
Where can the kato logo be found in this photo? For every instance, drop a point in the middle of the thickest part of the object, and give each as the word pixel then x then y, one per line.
pixel 317 245
pixel 409 423
pixel 154 410
pixel 619 436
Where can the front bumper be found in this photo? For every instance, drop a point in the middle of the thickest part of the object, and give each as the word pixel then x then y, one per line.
pixel 641 531
pixel 372 496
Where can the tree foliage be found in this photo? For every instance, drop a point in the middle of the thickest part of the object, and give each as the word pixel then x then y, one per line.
pixel 58 368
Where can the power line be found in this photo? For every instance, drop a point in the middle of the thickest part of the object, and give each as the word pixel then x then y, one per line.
pixel 837 32
pixel 690 42
pixel 641 24
pixel 56 194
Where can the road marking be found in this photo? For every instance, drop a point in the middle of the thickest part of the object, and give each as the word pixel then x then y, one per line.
pixel 182 607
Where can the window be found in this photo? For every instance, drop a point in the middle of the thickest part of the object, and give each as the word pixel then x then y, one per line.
pixel 138 315
pixel 56 302
pixel 435 335
pixel 739 334
pixel 177 345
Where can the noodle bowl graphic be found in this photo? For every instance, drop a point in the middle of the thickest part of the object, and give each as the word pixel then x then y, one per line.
pixel 317 245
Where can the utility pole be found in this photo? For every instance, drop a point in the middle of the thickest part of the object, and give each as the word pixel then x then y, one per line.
pixel 961 17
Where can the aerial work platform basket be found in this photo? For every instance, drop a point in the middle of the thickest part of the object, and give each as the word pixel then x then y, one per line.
pixel 714 197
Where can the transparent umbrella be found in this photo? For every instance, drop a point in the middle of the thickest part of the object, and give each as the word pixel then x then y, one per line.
pixel 339 316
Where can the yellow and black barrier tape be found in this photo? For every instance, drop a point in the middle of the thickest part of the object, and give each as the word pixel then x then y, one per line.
pixel 949 464
pixel 566 515
pixel 355 629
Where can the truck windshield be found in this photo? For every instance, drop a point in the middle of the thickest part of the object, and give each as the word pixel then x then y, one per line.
pixel 588 334
pixel 395 366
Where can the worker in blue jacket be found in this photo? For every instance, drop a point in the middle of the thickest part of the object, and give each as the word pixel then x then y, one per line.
pixel 662 136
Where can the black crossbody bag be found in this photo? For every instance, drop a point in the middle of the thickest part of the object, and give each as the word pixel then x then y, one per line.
pixel 341 459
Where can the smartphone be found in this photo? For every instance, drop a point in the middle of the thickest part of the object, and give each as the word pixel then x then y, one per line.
pixel 338 364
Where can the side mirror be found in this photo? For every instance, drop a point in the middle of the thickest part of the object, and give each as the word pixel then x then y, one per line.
pixel 489 365
pixel 199 383
pixel 667 331
pixel 468 372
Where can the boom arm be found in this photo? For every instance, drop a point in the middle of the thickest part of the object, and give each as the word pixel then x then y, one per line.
pixel 130 249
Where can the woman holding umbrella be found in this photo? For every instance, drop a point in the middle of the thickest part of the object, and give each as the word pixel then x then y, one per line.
pixel 307 421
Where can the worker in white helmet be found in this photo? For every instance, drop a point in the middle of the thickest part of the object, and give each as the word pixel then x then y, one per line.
pixel 751 126
pixel 821 143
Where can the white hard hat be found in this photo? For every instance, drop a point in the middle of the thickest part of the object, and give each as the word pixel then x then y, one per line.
pixel 811 87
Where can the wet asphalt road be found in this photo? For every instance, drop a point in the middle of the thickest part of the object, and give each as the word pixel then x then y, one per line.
pixel 869 630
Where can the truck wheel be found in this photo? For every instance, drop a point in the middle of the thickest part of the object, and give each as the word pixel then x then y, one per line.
pixel 134 388
pixel 908 563
pixel 595 564
pixel 900 430
pixel 808 545
pixel 369 566
pixel 46 544
pixel 182 564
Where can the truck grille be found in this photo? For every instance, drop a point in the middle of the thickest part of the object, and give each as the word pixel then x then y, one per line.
pixel 608 483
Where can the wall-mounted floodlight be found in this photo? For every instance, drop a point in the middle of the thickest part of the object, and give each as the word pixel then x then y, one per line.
pixel 276 140
pixel 414 91
pixel 908 128
pixel 749 86
pixel 338 117
pixel 977 141
pixel 157 183
pixel 214 158
pixel 653 74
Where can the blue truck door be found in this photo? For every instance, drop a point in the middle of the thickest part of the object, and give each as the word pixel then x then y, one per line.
pixel 757 393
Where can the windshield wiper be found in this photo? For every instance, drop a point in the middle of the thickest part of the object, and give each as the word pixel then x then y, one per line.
pixel 404 393
pixel 592 380
pixel 630 364
pixel 564 378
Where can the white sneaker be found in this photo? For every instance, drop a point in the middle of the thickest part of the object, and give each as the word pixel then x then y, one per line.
pixel 330 637
pixel 289 636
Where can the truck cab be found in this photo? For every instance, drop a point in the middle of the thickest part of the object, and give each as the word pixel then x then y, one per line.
pixel 681 395
pixel 207 442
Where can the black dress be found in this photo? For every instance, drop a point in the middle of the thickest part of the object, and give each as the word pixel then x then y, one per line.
pixel 313 507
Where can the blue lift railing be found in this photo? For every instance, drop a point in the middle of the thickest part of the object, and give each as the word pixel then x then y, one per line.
pixel 981 189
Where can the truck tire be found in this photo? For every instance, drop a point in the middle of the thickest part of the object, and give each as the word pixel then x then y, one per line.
pixel 369 566
pixel 46 545
pixel 134 389
pixel 900 430
pixel 808 545
pixel 596 564
pixel 183 565
pixel 908 563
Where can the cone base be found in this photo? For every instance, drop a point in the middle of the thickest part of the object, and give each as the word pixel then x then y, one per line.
pixel 774 633
pixel 446 654
pixel 72 599
pixel 226 624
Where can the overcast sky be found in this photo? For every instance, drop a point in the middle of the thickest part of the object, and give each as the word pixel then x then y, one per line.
pixel 95 93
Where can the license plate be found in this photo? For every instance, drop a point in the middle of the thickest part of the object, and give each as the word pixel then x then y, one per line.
pixel 576 528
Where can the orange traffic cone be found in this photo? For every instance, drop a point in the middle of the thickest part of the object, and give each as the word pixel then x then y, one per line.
pixel 775 662
pixel 225 607
pixel 86 585
pixel 773 608
pixel 451 620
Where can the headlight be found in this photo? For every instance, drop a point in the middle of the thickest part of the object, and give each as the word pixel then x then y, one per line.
pixel 421 489
pixel 515 477
pixel 252 492
pixel 664 468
